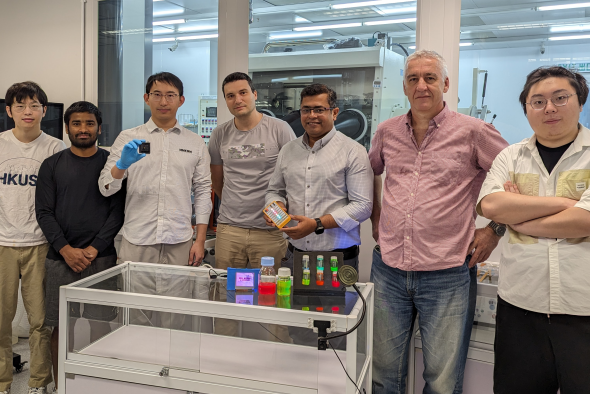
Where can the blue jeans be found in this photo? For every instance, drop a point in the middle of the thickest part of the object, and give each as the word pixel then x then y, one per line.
pixel 445 304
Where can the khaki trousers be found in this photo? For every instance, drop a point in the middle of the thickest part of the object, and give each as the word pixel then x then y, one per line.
pixel 30 263
pixel 158 281
pixel 238 247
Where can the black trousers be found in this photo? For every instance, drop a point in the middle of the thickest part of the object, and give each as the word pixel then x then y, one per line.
pixel 539 354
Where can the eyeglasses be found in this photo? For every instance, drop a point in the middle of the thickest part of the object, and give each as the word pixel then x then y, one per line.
pixel 558 100
pixel 169 97
pixel 18 108
pixel 317 111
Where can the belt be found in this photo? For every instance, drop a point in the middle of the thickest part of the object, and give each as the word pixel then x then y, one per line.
pixel 349 253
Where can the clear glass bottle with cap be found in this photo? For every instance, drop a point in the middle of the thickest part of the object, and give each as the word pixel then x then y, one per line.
pixel 284 283
pixel 267 280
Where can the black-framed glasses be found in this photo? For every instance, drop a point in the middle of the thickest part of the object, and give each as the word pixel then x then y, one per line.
pixel 169 96
pixel 317 111
pixel 559 100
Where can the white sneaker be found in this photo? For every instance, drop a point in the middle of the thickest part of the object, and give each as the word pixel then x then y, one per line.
pixel 37 390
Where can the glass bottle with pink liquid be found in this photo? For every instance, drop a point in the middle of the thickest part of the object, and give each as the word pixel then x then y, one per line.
pixel 267 280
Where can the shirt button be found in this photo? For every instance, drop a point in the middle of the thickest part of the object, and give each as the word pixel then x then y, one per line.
pixel 307 241
pixel 313 153
pixel 419 153
pixel 308 205
pixel 309 168
pixel 407 237
pixel 411 194
pixel 308 186
pixel 416 173
pixel 408 215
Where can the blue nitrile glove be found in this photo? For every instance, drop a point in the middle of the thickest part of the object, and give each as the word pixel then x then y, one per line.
pixel 129 155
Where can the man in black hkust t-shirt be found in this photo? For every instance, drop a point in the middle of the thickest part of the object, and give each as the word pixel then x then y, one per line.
pixel 79 223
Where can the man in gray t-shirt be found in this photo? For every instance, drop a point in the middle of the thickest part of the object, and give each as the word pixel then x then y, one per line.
pixel 243 153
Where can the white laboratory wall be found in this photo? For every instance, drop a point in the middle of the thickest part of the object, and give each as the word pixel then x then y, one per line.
pixel 191 63
pixel 508 69
pixel 42 42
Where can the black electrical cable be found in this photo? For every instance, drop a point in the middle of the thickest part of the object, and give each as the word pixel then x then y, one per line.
pixel 356 325
pixel 345 371
pixel 271 333
pixel 402 47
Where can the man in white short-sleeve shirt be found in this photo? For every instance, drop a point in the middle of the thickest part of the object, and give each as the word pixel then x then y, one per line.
pixel 539 187
pixel 244 153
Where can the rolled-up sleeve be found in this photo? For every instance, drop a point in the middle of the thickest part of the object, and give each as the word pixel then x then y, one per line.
pixel 584 202
pixel 201 187
pixel 277 188
pixel 105 175
pixel 359 183
pixel 498 174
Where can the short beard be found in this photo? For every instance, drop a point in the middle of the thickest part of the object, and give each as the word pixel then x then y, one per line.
pixel 82 144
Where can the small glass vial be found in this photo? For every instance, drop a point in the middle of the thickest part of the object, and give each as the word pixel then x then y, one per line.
pixel 319 277
pixel 335 282
pixel 284 283
pixel 334 263
pixel 267 280
pixel 305 262
pixel 306 277
pixel 320 262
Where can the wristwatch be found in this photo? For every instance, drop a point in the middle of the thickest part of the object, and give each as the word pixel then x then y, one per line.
pixel 499 229
pixel 320 227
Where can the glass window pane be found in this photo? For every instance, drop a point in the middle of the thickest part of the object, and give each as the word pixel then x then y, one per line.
pixel 295 43
pixel 507 43
pixel 138 38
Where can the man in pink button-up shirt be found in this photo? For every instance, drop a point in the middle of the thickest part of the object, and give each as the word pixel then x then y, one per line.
pixel 435 161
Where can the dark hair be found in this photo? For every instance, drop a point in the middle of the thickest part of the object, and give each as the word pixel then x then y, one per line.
pixel 21 90
pixel 237 76
pixel 575 79
pixel 165 77
pixel 84 107
pixel 317 89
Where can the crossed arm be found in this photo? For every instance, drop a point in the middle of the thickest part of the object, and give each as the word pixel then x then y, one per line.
pixel 547 217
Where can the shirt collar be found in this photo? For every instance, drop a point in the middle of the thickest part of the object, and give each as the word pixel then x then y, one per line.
pixel 151 126
pixel 582 139
pixel 319 144
pixel 436 121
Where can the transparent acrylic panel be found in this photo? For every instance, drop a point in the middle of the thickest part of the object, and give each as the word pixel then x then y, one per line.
pixel 91 323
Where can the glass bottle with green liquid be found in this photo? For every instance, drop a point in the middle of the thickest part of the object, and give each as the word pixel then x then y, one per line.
pixel 284 282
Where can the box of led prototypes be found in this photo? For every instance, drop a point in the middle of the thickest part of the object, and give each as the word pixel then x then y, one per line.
pixel 313 276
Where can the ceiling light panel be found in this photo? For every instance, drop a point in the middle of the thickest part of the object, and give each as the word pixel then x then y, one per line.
pixel 168 12
pixel 569 28
pixel 199 37
pixel 367 3
pixel 563 38
pixel 292 34
pixel 563 7
pixel 396 10
pixel 390 22
pixel 339 26
pixel 300 19
pixel 170 22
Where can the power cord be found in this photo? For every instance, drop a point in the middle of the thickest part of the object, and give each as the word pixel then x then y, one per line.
pixel 345 371
pixel 324 339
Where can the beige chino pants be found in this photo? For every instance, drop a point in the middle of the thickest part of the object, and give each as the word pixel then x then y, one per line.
pixel 30 263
